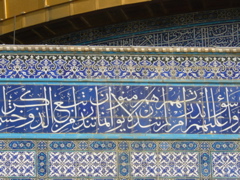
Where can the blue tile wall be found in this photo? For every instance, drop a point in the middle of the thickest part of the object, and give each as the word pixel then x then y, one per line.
pixel 137 66
pixel 126 108
pixel 209 28
pixel 107 161
pixel 105 108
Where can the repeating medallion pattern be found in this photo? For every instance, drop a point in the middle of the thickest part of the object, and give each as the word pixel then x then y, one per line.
pixel 82 164
pixel 17 163
pixel 226 164
pixel 88 66
pixel 165 164
pixel 120 159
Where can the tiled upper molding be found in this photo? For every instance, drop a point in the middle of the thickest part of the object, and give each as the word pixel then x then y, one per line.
pixel 119 62
pixel 140 49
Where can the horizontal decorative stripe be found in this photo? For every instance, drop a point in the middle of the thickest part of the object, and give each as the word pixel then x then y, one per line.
pixel 216 34
pixel 120 67
pixel 119 159
pixel 119 49
pixel 135 136
pixel 207 29
pixel 123 109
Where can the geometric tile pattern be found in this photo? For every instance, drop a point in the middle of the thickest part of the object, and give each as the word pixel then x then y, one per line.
pixel 82 164
pixel 206 29
pixel 17 163
pixel 129 159
pixel 116 66
pixel 165 164
pixel 226 164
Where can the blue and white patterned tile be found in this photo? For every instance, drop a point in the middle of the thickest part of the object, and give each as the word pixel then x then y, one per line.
pixel 225 164
pixel 182 164
pixel 205 145
pixel 42 145
pixel 158 67
pixel 167 160
pixel 3 145
pixel 82 164
pixel 165 164
pixel 164 145
pixel 123 145
pixel 83 145
pixel 144 164
pixel 17 163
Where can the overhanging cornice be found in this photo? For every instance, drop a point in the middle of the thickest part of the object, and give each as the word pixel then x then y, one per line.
pixel 140 49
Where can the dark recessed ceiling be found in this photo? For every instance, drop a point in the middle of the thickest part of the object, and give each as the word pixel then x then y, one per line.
pixel 155 8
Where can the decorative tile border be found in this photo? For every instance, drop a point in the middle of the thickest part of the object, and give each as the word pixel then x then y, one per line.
pixel 119 109
pixel 226 164
pixel 208 29
pixel 17 164
pixel 165 164
pixel 121 67
pixel 126 161
pixel 82 164
pixel 221 34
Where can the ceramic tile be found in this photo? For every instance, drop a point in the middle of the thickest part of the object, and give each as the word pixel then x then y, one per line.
pixel 17 164
pixel 154 66
pixel 137 109
pixel 126 108
pixel 120 159
pixel 225 164
pixel 156 31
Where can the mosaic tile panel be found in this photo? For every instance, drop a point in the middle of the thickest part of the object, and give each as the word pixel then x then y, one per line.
pixel 82 164
pixel 129 108
pixel 165 164
pixel 125 66
pixel 226 164
pixel 17 163
pixel 124 161
pixel 205 164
